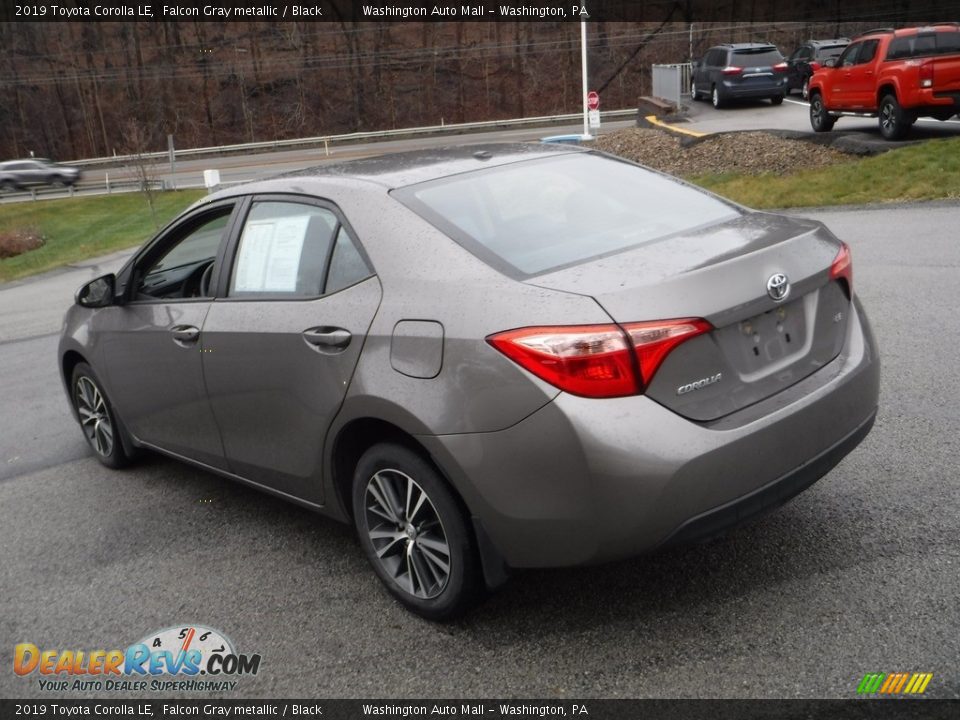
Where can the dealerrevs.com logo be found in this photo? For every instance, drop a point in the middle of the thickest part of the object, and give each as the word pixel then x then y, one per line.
pixel 183 658
pixel 894 683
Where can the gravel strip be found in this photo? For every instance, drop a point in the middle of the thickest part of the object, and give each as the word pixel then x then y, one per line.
pixel 750 153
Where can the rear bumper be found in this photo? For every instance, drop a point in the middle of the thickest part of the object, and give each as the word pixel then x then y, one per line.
pixel 769 497
pixel 583 481
pixel 765 90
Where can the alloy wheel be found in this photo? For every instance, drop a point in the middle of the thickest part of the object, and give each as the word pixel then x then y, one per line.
pixel 94 416
pixel 406 533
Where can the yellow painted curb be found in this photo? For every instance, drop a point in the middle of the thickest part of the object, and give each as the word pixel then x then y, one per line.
pixel 652 119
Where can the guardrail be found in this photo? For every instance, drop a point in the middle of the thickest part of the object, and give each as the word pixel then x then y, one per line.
pixel 327 140
pixel 132 185
pixel 89 188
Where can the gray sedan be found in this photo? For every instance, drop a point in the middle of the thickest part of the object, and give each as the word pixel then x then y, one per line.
pixel 485 358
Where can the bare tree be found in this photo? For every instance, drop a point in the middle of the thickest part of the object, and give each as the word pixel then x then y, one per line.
pixel 136 139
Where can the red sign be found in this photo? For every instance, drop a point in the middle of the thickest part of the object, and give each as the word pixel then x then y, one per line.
pixel 593 100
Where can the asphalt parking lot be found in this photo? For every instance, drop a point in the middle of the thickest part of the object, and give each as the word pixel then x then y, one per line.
pixel 859 574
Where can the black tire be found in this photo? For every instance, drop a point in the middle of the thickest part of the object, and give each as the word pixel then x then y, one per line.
pixel 98 420
pixel 776 100
pixel 820 119
pixel 694 93
pixel 716 98
pixel 395 541
pixel 805 89
pixel 894 122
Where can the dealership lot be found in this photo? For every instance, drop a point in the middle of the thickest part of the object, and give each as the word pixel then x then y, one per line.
pixel 859 574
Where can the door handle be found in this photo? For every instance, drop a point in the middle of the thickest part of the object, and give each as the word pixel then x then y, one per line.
pixel 327 339
pixel 184 335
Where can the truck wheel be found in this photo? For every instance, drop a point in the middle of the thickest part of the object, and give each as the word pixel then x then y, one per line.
pixel 776 100
pixel 820 119
pixel 894 122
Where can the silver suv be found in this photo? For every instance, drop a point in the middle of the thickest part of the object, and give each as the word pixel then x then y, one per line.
pixel 16 174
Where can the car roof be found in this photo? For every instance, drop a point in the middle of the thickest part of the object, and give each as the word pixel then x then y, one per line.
pixel 747 46
pixel 395 170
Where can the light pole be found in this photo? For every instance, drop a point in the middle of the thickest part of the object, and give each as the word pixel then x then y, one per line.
pixel 583 67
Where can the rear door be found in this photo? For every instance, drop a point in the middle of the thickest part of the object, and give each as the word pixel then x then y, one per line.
pixel 946 70
pixel 282 339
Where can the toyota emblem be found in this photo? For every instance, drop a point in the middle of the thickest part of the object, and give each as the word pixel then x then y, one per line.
pixel 778 287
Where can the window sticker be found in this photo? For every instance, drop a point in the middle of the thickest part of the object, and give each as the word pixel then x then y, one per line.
pixel 269 255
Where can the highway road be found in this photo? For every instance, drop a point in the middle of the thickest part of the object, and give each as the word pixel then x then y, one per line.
pixel 241 168
pixel 859 574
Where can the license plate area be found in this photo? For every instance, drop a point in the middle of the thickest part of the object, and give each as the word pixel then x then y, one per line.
pixel 766 339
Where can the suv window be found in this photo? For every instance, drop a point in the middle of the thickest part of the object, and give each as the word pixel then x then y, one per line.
pixel 759 57
pixel 286 248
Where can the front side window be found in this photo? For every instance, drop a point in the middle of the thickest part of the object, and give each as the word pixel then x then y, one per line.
pixel 177 269
pixel 849 56
pixel 287 249
pixel 867 52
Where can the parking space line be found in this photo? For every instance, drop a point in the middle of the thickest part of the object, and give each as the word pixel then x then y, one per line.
pixel 652 119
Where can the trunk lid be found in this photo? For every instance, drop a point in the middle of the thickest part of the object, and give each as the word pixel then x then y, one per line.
pixel 759 345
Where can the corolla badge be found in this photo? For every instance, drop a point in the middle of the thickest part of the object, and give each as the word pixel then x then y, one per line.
pixel 778 287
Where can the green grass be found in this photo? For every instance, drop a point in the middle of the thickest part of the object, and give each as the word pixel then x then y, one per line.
pixel 81 228
pixel 928 171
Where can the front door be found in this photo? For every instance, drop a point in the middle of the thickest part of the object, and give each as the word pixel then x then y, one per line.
pixel 152 343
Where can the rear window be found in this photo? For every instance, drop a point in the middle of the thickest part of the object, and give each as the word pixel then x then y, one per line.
pixel 759 57
pixel 925 44
pixel 530 217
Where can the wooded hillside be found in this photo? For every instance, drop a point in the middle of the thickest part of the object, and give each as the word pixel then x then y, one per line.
pixel 78 90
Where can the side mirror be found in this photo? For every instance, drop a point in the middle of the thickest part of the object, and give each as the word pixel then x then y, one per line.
pixel 97 293
pixel 830 62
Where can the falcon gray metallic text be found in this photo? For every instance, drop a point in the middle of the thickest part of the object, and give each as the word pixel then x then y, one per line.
pixel 486 358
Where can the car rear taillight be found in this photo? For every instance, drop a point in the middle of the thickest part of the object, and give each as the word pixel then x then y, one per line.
pixel 814 66
pixel 842 266
pixel 781 67
pixel 732 70
pixel 653 341
pixel 926 74
pixel 597 361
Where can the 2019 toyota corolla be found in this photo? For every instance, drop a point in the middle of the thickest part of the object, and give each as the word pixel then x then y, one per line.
pixel 488 357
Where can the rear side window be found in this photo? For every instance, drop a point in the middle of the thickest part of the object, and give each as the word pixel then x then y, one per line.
pixel 948 43
pixel 926 44
pixel 286 249
pixel 757 57
pixel 534 216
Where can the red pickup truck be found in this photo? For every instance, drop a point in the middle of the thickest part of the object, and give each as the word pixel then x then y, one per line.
pixel 895 75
